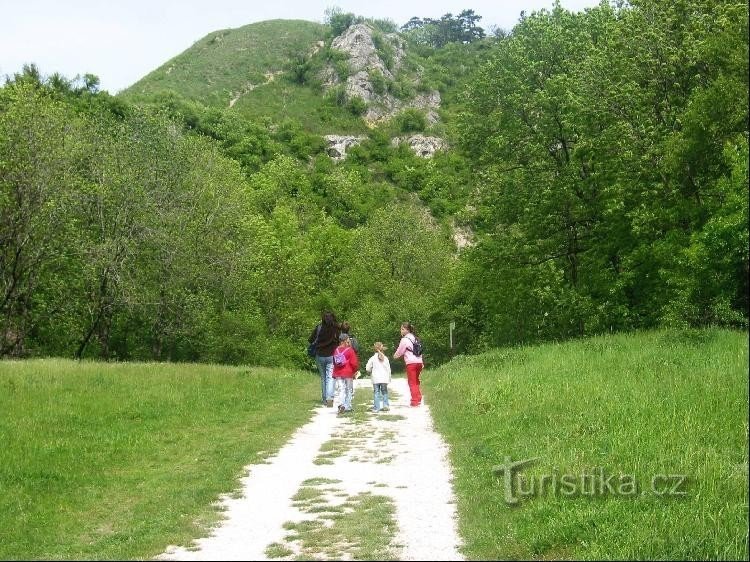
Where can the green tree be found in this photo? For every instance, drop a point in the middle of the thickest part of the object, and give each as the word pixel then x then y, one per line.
pixel 39 142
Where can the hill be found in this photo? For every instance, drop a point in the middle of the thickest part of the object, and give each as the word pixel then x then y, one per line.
pixel 298 70
pixel 226 62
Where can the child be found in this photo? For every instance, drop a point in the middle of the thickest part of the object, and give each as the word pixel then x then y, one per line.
pixel 380 369
pixel 414 363
pixel 345 364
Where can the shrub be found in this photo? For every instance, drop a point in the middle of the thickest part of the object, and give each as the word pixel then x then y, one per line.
pixel 336 96
pixel 339 21
pixel 378 81
pixel 402 89
pixel 411 121
pixel 357 105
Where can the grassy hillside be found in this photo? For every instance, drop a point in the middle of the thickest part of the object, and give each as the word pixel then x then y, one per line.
pixel 281 99
pixel 227 62
pixel 647 409
pixel 248 71
pixel 115 461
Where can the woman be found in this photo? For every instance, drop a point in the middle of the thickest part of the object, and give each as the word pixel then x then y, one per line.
pixel 414 363
pixel 326 337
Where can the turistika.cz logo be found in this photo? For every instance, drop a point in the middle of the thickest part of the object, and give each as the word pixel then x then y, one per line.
pixel 594 482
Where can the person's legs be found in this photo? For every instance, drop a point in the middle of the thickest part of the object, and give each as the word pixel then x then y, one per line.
pixel 349 393
pixel 378 396
pixel 384 395
pixel 330 390
pixel 320 362
pixel 412 376
pixel 340 393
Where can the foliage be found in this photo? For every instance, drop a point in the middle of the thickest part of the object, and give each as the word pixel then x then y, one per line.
pixel 411 120
pixel 599 157
pixel 357 105
pixel 137 237
pixel 608 143
pixel 338 20
pixel 462 28
pixel 378 81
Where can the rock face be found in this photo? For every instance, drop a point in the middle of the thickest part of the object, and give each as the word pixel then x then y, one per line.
pixel 339 144
pixel 421 145
pixel 357 42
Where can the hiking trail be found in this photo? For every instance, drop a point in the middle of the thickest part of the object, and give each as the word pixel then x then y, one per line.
pixel 362 485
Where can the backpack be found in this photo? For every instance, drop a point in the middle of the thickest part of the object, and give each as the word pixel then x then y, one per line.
pixel 355 344
pixel 339 358
pixel 312 349
pixel 416 347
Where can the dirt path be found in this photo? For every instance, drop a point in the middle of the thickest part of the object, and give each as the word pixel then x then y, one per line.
pixel 365 486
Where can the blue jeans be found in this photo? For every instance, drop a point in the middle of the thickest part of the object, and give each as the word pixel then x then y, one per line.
pixel 381 396
pixel 325 368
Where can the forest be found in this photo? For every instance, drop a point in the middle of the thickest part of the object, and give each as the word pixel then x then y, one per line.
pixel 599 160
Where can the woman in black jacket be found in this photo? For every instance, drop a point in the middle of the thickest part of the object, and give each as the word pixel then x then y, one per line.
pixel 325 336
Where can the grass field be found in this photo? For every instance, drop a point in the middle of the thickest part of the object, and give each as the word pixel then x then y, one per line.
pixel 115 461
pixel 646 409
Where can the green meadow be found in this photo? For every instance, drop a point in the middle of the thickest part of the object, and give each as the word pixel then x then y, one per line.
pixel 664 414
pixel 116 461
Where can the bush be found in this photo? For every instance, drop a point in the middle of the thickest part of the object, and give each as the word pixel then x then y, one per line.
pixel 336 96
pixel 411 121
pixel 339 21
pixel 357 105
pixel 384 25
pixel 402 89
pixel 385 50
pixel 378 81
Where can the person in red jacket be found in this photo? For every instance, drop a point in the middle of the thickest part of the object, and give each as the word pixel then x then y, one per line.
pixel 345 364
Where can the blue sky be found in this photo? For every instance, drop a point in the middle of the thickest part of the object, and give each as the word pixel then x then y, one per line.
pixel 122 41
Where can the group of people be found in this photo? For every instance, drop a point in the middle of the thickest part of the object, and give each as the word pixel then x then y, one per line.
pixel 336 354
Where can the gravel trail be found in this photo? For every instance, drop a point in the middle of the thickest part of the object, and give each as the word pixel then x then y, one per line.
pixel 396 454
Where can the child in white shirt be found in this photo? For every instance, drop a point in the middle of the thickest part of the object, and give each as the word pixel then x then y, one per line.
pixel 380 370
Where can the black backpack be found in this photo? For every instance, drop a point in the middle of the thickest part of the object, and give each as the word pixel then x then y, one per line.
pixel 312 349
pixel 416 346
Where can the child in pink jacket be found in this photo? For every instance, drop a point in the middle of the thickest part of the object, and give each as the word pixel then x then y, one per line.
pixel 414 363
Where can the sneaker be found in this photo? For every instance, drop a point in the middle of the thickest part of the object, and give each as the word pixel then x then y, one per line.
pixel 373 410
pixel 341 409
pixel 329 403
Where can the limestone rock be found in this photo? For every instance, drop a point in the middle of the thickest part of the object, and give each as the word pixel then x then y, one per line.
pixel 357 42
pixel 422 146
pixel 364 60
pixel 339 144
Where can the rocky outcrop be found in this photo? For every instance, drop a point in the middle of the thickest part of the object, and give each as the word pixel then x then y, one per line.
pixel 339 144
pixel 357 42
pixel 421 145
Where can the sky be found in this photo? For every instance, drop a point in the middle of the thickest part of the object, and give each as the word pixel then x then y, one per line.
pixel 121 42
